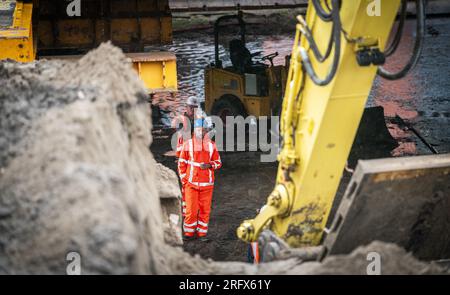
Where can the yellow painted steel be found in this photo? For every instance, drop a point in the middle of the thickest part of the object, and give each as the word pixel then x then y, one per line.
pixel 221 82
pixel 131 25
pixel 158 70
pixel 319 125
pixel 16 41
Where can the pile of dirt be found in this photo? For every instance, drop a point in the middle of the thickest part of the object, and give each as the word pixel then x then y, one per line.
pixel 393 260
pixel 170 197
pixel 76 170
pixel 77 175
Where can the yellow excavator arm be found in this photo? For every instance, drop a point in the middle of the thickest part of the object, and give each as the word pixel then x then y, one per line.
pixel 338 50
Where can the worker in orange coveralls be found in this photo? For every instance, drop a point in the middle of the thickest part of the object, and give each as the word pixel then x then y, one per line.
pixel 198 160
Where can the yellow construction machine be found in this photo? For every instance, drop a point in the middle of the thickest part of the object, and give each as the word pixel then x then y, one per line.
pixel 43 28
pixel 339 49
pixel 249 86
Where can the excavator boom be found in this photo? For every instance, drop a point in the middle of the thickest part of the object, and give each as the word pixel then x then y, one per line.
pixel 338 50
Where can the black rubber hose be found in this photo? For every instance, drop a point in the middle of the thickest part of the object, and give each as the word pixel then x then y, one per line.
pixel 325 16
pixel 337 51
pixel 418 46
pixel 321 58
pixel 398 34
pixel 327 5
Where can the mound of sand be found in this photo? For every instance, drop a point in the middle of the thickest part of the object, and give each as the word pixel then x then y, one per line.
pixel 76 171
pixel 393 260
pixel 77 175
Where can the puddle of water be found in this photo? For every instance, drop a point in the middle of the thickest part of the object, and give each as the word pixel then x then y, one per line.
pixel 422 97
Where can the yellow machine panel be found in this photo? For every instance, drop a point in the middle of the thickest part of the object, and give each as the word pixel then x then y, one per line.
pixel 16 31
pixel 219 83
pixel 251 85
pixel 158 70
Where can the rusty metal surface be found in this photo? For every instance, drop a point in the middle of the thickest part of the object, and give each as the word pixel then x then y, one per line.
pixel 135 57
pixel 205 5
pixel 131 25
pixel 151 56
pixel 403 200
pixel 156 69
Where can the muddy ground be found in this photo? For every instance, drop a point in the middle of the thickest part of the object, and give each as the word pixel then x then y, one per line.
pixel 243 184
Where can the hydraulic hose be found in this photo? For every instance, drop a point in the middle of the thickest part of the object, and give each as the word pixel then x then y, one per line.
pixel 418 46
pixel 321 13
pixel 337 51
pixel 308 35
pixel 398 34
pixel 327 5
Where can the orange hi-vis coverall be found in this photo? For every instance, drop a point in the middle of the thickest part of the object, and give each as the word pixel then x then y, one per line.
pixel 199 183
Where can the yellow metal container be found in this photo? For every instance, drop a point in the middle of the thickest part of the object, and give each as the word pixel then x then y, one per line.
pixel 131 25
pixel 16 36
pixel 158 70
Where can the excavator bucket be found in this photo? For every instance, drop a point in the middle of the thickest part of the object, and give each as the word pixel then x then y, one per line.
pixel 400 200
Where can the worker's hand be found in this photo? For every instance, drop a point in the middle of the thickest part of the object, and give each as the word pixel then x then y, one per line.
pixel 205 166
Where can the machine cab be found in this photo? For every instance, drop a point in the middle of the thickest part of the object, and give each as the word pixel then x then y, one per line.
pixel 251 85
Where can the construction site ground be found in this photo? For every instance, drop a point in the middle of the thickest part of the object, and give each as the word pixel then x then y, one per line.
pixel 77 174
pixel 243 184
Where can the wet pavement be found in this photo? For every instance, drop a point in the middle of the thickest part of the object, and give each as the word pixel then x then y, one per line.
pixel 423 97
